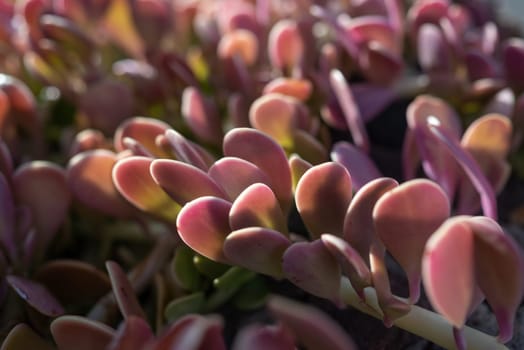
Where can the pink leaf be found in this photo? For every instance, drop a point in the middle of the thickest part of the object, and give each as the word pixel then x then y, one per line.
pixel 144 131
pixel 123 291
pixel 263 337
pixel 133 334
pixel 79 333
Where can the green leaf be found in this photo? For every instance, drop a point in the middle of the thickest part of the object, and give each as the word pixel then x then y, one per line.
pixel 192 303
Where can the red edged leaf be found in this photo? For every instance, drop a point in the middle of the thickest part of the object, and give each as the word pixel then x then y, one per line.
pixel 322 198
pixel 144 131
pixel 133 180
pixel 311 267
pixel 203 225
pixel 123 291
pixel 311 327
pixel 79 333
pixel 448 270
pixel 184 182
pixel 257 206
pixel 404 219
pixel 90 179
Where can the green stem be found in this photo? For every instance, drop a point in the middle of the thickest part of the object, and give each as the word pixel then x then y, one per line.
pixel 422 322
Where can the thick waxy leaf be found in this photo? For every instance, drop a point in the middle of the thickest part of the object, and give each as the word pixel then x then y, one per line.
pixel 380 65
pixel 23 337
pixel 359 165
pixel 262 337
pixel 246 144
pixel 184 182
pixel 234 175
pixel 35 295
pixel 42 187
pixel 240 42
pixel 203 225
pixel 448 270
pixel 499 266
pixel 79 333
pixel 202 119
pixel 298 167
pixel 513 54
pixel 257 249
pixel 405 218
pixel 188 304
pixel 432 49
pixel 88 139
pixel 123 291
pixel 188 152
pixel 227 285
pixel 350 109
pixel 312 328
pixel 311 267
pixel 133 334
pixel 322 198
pixel 285 45
pixel 308 147
pixel 298 88
pixel 193 332
pixel 90 179
pixel 7 219
pixel 133 180
pixel 488 136
pixel 84 282
pixel 257 206
pixel 143 130
pixel 352 264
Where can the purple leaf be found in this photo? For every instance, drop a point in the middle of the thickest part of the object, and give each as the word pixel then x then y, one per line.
pixel 201 117
pixel 322 198
pixel 133 180
pixel 184 182
pixel 90 179
pixel 35 295
pixel 79 333
pixel 359 165
pixel 42 187
pixel 203 225
pixel 188 152
pixel 257 206
pixel 311 267
pixel 432 49
pixel 234 175
pixel 512 56
pixel 263 337
pixel 246 144
pixel 405 218
pixel 379 65
pixel 257 249
pixel 311 327
pixel 123 291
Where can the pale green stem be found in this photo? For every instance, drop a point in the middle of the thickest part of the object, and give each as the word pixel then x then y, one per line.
pixel 420 321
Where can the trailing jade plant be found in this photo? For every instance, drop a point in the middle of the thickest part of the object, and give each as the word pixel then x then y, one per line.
pixel 226 174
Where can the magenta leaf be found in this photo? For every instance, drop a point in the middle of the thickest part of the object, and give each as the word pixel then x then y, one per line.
pixel 405 218
pixel 201 118
pixel 79 333
pixel 285 45
pixel 257 249
pixel 322 198
pixel 311 327
pixel 311 267
pixel 359 165
pixel 184 182
pixel 203 225
pixel 133 334
pixel 257 206
pixel 89 176
pixel 42 187
pixel 124 294
pixel 432 49
pixel 448 270
pixel 246 144
pixel 35 295
pixel 186 151
pixel 263 337
pixel 133 180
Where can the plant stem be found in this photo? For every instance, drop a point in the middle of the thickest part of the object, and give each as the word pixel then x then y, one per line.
pixel 420 321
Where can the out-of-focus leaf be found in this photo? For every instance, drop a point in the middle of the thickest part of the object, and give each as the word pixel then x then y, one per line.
pixel 285 45
pixel 259 337
pixel 133 180
pixel 208 267
pixel 311 327
pixel 35 295
pixel 192 303
pixel 87 140
pixel 380 65
pixel 203 225
pixel 188 152
pixel 201 117
pixel 23 337
pixel 118 23
pixel 300 89
pixel 246 144
pixel 79 333
pixel 432 49
pixel 258 249
pixel 7 219
pixel 184 270
pixel 257 206
pixel 89 176
pixel 227 285
pixel 84 282
pixel 253 295
pixel 240 42
pixel 311 267
pixel 133 334
pixel 322 198
pixel 512 55
pixel 143 130
pixel 123 291
pixel 184 182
